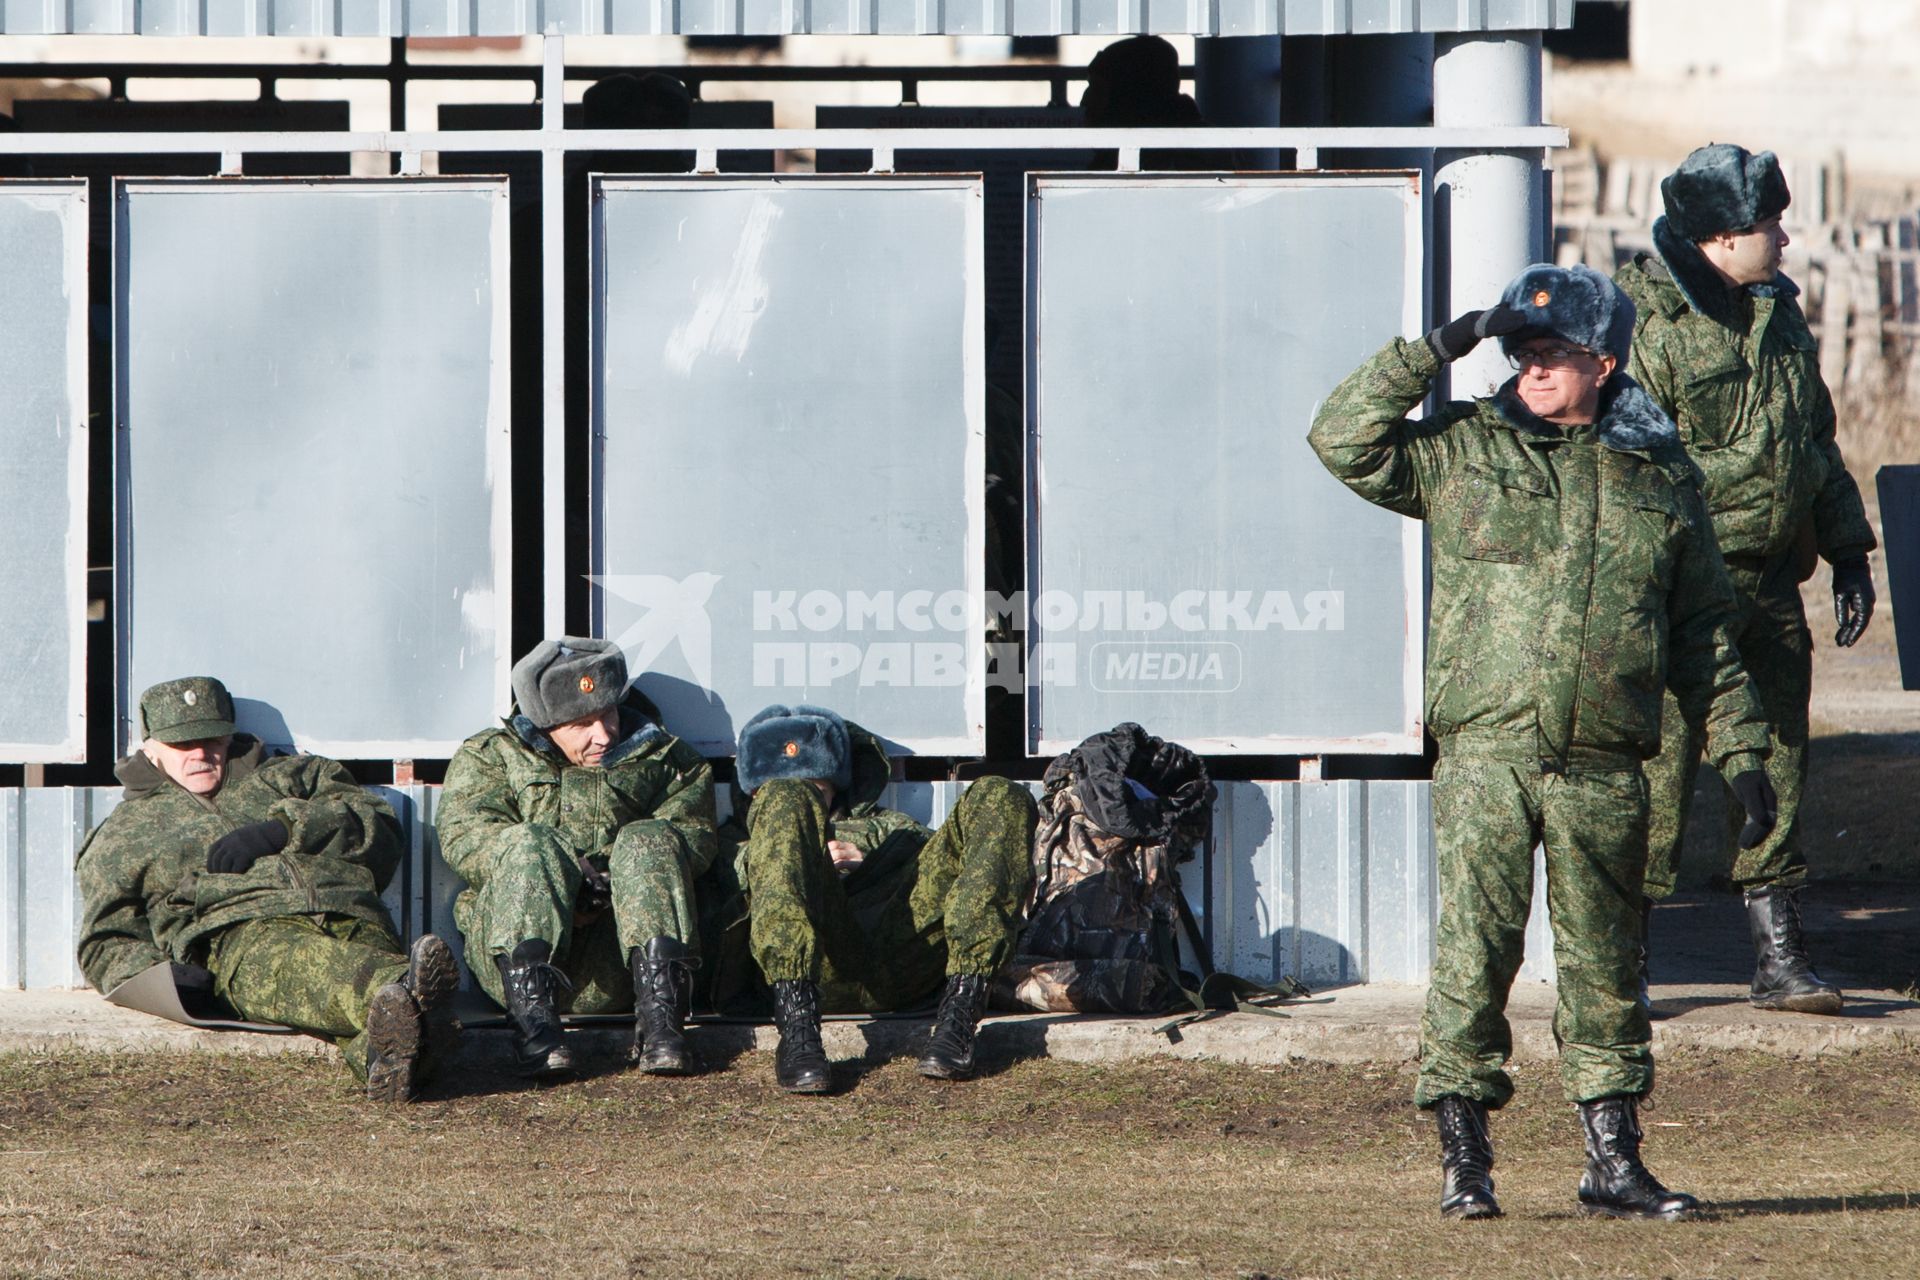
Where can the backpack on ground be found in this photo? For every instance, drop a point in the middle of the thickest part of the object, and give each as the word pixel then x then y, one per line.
pixel 1120 812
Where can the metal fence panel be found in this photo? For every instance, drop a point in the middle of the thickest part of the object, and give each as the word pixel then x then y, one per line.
pixel 43 482
pixel 1191 563
pixel 772 17
pixel 789 443
pixel 275 338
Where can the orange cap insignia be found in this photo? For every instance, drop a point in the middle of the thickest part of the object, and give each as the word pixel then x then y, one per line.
pixel 1542 298
pixel 792 748
pixel 586 684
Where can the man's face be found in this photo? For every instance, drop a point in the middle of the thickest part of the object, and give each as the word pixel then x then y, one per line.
pixel 1560 381
pixel 585 741
pixel 199 766
pixel 1748 257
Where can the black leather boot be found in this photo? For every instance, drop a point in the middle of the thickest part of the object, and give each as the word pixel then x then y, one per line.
pixel 1466 1159
pixel 539 1042
pixel 1616 1184
pixel 662 992
pixel 949 1054
pixel 1783 977
pixel 410 1023
pixel 800 1063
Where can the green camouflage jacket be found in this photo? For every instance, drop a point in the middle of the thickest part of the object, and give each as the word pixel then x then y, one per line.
pixel 1573 571
pixel 514 776
pixel 1740 374
pixel 143 872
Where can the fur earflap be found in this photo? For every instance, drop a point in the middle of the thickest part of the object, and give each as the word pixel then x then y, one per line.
pixel 1721 187
pixel 1576 303
pixel 794 742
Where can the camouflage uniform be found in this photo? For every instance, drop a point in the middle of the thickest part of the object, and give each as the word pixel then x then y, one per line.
pixel 921 906
pixel 300 938
pixel 1740 375
pixel 515 818
pixel 1574 572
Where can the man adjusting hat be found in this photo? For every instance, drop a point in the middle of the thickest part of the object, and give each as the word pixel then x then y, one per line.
pixel 1574 576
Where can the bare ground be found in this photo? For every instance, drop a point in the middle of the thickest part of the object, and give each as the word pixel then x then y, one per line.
pixel 160 1165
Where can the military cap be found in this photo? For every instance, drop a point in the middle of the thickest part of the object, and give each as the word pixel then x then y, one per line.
pixel 565 679
pixel 1575 303
pixel 794 742
pixel 1721 187
pixel 186 710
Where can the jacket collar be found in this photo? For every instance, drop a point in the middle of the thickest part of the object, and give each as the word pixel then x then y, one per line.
pixel 142 777
pixel 1630 422
pixel 639 729
pixel 1687 268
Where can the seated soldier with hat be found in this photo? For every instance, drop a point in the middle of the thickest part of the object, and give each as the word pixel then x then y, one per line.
pixel 853 908
pixel 580 826
pixel 257 881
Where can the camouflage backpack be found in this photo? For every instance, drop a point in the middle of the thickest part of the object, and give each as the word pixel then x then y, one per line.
pixel 1120 812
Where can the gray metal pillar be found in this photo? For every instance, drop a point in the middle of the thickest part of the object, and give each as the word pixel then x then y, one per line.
pixel 1488 206
pixel 1236 81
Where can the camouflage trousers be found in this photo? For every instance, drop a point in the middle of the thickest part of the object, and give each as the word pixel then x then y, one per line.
pixel 887 935
pixel 1776 648
pixel 533 880
pixel 313 973
pixel 1488 815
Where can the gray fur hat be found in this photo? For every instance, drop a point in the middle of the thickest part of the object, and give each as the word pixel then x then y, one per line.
pixel 1576 303
pixel 794 742
pixel 565 679
pixel 1721 187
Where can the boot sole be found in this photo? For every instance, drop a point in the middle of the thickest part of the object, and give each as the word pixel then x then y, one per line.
pixel 1822 1004
pixel 1632 1215
pixel 808 1085
pixel 394 1035
pixel 936 1069
pixel 677 1066
pixel 1472 1212
pixel 433 977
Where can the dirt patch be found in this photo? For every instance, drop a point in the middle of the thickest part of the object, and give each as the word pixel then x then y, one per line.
pixel 152 1165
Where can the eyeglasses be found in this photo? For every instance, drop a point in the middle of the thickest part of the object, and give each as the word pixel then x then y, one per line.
pixel 1548 357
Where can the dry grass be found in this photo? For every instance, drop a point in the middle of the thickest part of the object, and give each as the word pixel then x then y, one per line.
pixel 253 1167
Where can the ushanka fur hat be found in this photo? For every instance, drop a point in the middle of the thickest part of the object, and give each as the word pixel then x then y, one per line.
pixel 565 679
pixel 1576 303
pixel 1721 187
pixel 794 742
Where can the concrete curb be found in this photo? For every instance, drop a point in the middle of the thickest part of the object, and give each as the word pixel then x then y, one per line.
pixel 1378 1023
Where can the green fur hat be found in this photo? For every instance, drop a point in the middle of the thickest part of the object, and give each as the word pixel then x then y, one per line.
pixel 1576 303
pixel 794 742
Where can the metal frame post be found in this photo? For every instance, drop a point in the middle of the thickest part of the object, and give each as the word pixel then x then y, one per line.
pixel 553 334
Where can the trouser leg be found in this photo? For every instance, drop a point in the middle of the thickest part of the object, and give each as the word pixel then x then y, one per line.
pixel 1486 821
pixel 1670 781
pixel 313 973
pixel 802 926
pixel 532 881
pixel 1776 647
pixel 1595 832
pixel 653 886
pixel 973 877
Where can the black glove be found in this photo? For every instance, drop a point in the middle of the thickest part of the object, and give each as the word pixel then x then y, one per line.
pixel 1852 599
pixel 596 889
pixel 1755 794
pixel 195 988
pixel 1457 337
pixel 240 849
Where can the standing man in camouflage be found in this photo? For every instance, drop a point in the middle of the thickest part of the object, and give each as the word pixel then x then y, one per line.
pixel 1722 347
pixel 258 881
pixel 580 826
pixel 1574 576
pixel 859 909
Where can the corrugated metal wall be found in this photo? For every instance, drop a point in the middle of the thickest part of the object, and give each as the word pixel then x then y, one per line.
pixel 311 18
pixel 1331 882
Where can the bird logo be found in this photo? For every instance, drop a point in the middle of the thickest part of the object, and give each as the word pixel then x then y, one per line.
pixel 670 611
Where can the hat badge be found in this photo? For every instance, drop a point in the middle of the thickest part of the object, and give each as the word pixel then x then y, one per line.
pixel 189 697
pixel 1542 298
pixel 586 684
pixel 791 749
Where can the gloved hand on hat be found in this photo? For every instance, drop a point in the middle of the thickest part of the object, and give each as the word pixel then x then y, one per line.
pixel 1456 338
